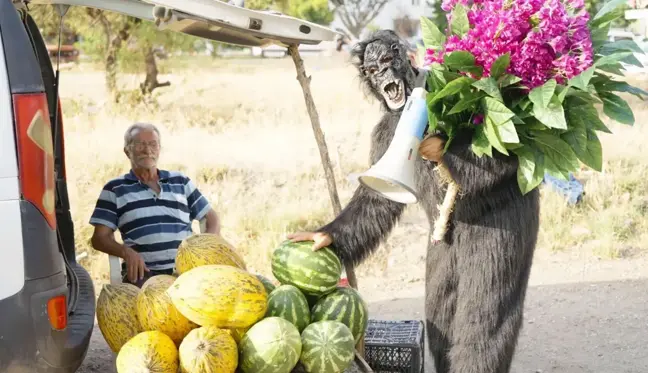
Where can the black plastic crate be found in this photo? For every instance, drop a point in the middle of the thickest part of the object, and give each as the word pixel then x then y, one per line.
pixel 394 346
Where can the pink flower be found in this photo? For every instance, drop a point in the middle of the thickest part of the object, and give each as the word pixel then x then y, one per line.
pixel 545 38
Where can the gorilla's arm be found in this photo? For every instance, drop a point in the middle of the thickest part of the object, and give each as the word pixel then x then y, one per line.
pixel 477 174
pixel 368 218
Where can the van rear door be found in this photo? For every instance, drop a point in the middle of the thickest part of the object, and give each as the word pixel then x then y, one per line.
pixel 13 276
pixel 214 20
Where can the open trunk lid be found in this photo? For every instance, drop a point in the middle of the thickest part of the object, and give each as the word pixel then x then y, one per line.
pixel 214 20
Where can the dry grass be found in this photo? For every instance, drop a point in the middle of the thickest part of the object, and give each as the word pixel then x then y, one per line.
pixel 239 128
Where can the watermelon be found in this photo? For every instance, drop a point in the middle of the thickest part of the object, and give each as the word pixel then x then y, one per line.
pixel 286 301
pixel 345 305
pixel 327 347
pixel 312 272
pixel 267 284
pixel 272 345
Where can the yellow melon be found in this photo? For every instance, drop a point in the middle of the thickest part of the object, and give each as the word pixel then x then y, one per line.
pixel 117 314
pixel 208 350
pixel 219 295
pixel 156 311
pixel 204 249
pixel 148 352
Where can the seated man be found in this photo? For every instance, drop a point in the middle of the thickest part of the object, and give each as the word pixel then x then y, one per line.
pixel 152 208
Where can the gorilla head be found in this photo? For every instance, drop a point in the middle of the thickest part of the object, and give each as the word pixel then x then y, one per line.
pixel 385 68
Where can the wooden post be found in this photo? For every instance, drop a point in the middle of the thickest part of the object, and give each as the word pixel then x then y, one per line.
pixel 304 81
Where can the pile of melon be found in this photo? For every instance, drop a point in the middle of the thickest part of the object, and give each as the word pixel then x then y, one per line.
pixel 215 316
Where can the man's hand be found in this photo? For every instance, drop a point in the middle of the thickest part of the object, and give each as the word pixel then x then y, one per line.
pixel 135 266
pixel 432 148
pixel 320 239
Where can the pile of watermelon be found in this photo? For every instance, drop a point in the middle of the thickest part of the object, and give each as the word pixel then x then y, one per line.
pixel 214 315
pixel 310 320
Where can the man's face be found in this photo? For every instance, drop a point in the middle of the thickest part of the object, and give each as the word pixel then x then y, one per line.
pixel 144 150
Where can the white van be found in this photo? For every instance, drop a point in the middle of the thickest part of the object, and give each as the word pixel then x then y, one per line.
pixel 47 300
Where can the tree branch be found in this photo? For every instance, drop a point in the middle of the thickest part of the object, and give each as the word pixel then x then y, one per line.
pixel 304 81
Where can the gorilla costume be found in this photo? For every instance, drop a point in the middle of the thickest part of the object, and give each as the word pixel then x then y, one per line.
pixel 476 278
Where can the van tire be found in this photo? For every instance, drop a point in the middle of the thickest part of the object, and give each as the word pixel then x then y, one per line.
pixel 81 322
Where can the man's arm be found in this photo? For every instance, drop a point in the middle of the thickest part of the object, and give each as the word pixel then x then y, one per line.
pixel 104 219
pixel 213 222
pixel 199 208
pixel 103 239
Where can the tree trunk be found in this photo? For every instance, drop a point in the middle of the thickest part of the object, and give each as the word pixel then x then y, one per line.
pixel 110 62
pixel 151 81
pixel 304 81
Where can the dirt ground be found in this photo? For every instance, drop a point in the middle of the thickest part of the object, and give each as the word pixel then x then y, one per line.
pixel 582 315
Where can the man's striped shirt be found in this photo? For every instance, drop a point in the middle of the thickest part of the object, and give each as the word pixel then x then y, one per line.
pixel 153 225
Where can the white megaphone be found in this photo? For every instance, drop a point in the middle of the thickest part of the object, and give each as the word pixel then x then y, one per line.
pixel 393 175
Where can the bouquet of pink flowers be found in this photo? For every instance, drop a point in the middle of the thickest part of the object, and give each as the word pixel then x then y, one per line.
pixel 525 76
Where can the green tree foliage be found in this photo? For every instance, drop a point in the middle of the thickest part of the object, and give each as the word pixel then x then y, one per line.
pixel 316 11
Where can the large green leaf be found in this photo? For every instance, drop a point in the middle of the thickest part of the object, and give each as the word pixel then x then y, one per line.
pixel 614 68
pixel 582 113
pixel 466 103
pixel 599 35
pixel 480 143
pixel 614 86
pixel 581 80
pixel 623 44
pixel 460 23
pixel 557 151
pixel 462 61
pixel 576 138
pixel 541 95
pixel 507 133
pixel 489 85
pixel 608 7
pixel 433 38
pixel 553 115
pixel 496 111
pixel 500 65
pixel 530 172
pixel 617 108
pixel 493 138
pixel 612 59
pixel 452 88
pixel 606 19
pixel 508 79
pixel 592 155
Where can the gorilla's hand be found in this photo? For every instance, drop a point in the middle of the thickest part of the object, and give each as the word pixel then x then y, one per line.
pixel 432 148
pixel 320 239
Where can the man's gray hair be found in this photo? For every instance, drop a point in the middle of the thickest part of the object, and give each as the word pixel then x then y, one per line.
pixel 135 128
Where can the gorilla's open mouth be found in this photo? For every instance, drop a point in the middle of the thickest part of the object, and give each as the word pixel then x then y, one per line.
pixel 394 93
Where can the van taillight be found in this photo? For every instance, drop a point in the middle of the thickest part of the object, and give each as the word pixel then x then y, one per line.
pixel 57 312
pixel 35 152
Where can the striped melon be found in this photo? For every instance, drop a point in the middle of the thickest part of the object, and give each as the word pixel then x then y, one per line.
pixel 148 352
pixel 273 345
pixel 269 286
pixel 117 314
pixel 156 311
pixel 327 347
pixel 312 272
pixel 219 295
pixel 345 305
pixel 208 350
pixel 206 248
pixel 286 301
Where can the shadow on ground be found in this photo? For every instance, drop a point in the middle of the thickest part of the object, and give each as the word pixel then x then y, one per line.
pixel 573 328
pixel 569 328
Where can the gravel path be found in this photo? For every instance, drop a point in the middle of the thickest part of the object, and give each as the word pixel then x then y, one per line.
pixel 581 316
